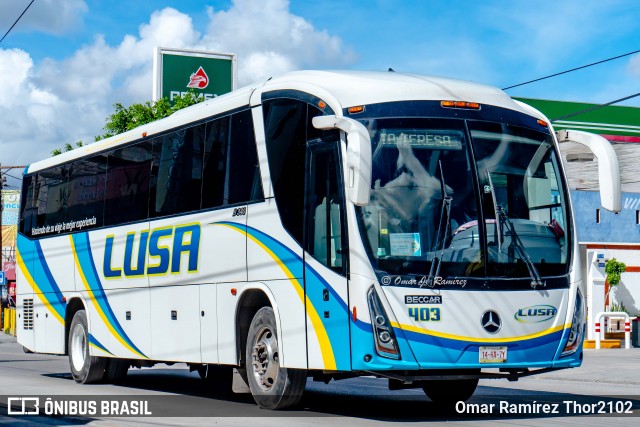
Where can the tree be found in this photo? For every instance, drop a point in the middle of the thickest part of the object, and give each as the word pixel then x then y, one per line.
pixel 613 269
pixel 127 118
pixel 67 147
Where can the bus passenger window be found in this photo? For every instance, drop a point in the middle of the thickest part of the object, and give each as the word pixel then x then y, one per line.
pixel 285 132
pixel 214 169
pixel 87 185
pixel 177 168
pixel 127 186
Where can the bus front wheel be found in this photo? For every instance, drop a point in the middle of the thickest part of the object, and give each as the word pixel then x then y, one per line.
pixel 85 369
pixel 272 386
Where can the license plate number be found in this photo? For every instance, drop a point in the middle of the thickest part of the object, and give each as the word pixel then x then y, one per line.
pixel 492 355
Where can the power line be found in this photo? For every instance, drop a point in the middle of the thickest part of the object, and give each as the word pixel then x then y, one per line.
pixel 573 69
pixel 596 107
pixel 14 24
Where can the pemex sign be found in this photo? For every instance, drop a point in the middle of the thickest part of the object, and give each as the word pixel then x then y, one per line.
pixel 177 71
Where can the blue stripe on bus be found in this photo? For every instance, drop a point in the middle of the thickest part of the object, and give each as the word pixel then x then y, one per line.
pixel 457 344
pixel 85 262
pixel 39 276
pixel 94 342
pixel 335 326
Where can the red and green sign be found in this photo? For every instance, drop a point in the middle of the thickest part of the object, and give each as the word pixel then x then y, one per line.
pixel 208 74
pixel 614 122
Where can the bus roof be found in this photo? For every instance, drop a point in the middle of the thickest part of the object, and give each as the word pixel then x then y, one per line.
pixel 339 89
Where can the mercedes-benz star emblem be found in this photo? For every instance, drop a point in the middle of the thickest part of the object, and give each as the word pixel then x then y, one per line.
pixel 491 321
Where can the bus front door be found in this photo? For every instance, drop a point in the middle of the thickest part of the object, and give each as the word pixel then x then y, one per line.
pixel 326 286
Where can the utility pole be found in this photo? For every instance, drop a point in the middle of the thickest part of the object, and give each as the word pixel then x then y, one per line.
pixel 3 179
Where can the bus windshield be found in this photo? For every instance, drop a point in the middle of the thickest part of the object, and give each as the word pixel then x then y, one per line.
pixel 464 198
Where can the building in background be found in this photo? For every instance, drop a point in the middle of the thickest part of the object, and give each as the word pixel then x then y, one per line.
pixel 10 213
pixel 10 200
pixel 602 234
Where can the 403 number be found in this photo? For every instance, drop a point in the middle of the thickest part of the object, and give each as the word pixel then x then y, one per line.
pixel 425 314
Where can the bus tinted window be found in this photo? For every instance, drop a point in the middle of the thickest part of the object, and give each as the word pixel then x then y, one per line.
pixel 285 132
pixel 127 186
pixel 87 184
pixel 231 171
pixel 177 168
pixel 29 212
pixel 215 162
pixel 51 196
pixel 244 182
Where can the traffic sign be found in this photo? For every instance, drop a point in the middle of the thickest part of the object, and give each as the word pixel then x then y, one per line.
pixel 3 278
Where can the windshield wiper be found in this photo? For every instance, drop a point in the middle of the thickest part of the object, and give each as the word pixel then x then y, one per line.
pixel 536 280
pixel 503 220
pixel 446 209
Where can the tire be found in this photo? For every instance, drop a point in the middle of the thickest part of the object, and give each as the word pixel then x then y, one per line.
pixel 449 392
pixel 116 370
pixel 85 369
pixel 272 386
pixel 219 378
pixel 26 350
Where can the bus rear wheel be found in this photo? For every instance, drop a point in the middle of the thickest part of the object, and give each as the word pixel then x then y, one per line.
pixel 272 385
pixel 448 392
pixel 85 369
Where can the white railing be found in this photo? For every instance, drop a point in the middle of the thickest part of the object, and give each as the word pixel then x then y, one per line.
pixel 627 327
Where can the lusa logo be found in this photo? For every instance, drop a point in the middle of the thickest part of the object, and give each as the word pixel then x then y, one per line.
pixel 198 80
pixel 536 313
pixel 157 252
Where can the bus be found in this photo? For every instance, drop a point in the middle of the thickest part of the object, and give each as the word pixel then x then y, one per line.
pixel 320 225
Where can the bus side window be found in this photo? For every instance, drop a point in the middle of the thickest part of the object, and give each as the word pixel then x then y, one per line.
pixel 28 209
pixel 214 167
pixel 230 167
pixel 87 181
pixel 127 184
pixel 244 183
pixel 177 167
pixel 285 133
pixel 51 196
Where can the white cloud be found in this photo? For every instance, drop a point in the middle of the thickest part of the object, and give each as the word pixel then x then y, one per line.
pixel 268 40
pixel 49 16
pixel 45 105
pixel 634 66
pixel 15 66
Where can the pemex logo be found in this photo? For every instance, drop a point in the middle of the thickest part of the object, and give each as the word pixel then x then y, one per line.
pixel 199 79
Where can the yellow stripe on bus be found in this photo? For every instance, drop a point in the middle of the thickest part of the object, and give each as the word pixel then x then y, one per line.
pixel 437 334
pixel 321 333
pixel 93 299
pixel 35 287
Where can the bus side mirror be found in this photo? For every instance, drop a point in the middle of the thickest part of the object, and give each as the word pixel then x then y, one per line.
pixel 608 168
pixel 358 155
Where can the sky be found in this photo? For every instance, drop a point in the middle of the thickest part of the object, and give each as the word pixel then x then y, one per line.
pixel 66 62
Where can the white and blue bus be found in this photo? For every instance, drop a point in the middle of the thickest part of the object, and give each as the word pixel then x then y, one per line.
pixel 319 224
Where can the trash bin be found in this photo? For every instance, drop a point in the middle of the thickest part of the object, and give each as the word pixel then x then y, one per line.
pixel 635 332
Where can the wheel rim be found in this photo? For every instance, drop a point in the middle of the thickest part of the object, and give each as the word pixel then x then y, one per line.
pixel 78 347
pixel 265 358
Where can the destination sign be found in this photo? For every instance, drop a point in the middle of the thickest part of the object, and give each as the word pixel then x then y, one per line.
pixel 422 138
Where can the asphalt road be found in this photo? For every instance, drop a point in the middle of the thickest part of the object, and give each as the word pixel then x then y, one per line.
pixel 608 381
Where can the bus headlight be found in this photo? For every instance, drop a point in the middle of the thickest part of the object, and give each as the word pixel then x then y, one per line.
pixel 385 339
pixel 577 327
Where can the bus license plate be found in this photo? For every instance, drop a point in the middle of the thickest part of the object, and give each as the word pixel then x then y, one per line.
pixel 492 355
